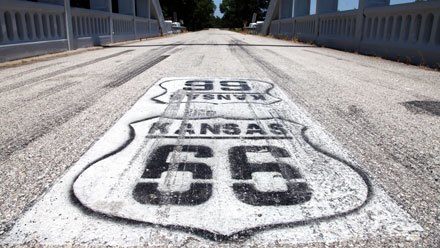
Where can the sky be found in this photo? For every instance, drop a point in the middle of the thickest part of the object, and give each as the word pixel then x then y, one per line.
pixel 217 11
pixel 343 5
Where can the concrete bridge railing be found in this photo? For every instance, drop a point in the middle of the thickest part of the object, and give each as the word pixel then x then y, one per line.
pixel 406 32
pixel 338 31
pixel 90 27
pixel 28 21
pixel 34 28
pixel 403 32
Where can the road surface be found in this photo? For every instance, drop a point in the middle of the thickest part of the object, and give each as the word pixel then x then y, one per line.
pixel 373 124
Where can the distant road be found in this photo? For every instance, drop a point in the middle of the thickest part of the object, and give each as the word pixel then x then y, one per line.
pixel 377 115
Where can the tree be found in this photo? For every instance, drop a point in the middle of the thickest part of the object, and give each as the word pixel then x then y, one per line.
pixel 217 22
pixel 238 13
pixel 195 14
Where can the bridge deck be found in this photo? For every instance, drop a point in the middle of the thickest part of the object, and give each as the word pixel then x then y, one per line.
pixel 383 114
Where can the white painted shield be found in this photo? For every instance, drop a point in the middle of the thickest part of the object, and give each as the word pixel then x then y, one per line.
pixel 199 158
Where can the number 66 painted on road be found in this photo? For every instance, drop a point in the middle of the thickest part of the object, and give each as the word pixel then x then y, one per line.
pixel 259 184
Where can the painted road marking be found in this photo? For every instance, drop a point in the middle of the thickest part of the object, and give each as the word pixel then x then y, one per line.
pixel 215 160
pixel 218 92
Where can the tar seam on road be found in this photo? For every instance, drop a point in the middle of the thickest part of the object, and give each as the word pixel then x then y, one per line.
pixel 18 143
pixel 77 109
pixel 132 74
pixel 218 44
pixel 327 55
pixel 31 70
pixel 44 94
pixel 58 72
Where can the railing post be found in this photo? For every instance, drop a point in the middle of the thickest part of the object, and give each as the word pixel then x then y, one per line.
pixel 272 14
pixel 110 9
pixel 323 7
pixel 412 30
pixel 69 31
pixel 280 15
pixel 286 9
pixel 422 35
pixel 435 30
pixel 402 28
pixel 360 22
pixel 393 28
pixel 3 31
pixel 15 29
pixel 300 8
pixel 133 10
pixel 326 6
pixel 34 33
pixel 149 17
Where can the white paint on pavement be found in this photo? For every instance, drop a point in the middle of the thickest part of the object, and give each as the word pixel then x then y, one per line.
pixel 213 159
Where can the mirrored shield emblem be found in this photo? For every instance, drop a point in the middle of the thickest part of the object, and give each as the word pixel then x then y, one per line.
pixel 218 170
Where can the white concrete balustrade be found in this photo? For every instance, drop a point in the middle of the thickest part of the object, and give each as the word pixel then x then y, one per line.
pixel 33 28
pixel 29 21
pixel 409 32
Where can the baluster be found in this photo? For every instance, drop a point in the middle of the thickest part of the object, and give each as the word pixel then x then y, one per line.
pixel 321 26
pixel 381 28
pixel 39 26
pixel 89 26
pixel 63 25
pixel 374 28
pixel 339 26
pixel 421 38
pixel 45 22
pixel 100 24
pixel 75 26
pixel 353 28
pixel 22 25
pixel 32 26
pixel 53 26
pixel 435 30
pixel 83 26
pixel 403 28
pixel 3 33
pixel 92 26
pixel 80 26
pixel 412 30
pixel 96 24
pixel 56 26
pixel 385 21
pixel 393 28
pixel 14 27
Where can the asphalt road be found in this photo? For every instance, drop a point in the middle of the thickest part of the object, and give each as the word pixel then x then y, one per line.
pixel 384 114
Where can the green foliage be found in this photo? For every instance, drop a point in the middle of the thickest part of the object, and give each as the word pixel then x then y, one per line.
pixel 199 14
pixel 238 13
pixel 217 22
pixel 195 14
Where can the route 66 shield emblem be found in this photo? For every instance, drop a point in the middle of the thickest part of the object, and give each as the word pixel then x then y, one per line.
pixel 220 158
